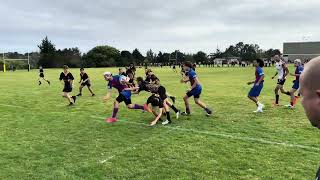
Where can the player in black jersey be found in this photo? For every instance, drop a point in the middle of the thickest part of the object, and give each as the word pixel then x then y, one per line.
pixel 41 76
pixel 154 102
pixel 84 81
pixel 67 78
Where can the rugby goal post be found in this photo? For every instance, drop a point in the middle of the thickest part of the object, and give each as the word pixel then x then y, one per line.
pixel 4 60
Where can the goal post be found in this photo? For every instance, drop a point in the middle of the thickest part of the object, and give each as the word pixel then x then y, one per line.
pixel 6 60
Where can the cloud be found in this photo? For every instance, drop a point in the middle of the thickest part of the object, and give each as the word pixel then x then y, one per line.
pixel 188 25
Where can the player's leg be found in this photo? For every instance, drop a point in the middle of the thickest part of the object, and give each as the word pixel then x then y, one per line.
pixel 68 97
pixel 115 109
pixel 80 90
pixel 177 111
pixel 276 92
pixel 46 80
pixel 167 112
pixel 91 91
pixel 187 105
pixel 253 96
pixel 39 79
pixel 202 105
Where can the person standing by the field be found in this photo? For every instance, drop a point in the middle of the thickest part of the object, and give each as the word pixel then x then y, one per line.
pixel 84 81
pixel 296 83
pixel 41 76
pixel 310 93
pixel 67 78
pixel 258 85
pixel 195 90
pixel 282 72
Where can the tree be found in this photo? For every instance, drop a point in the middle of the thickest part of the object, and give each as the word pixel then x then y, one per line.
pixel 102 56
pixel 200 57
pixel 126 58
pixel 137 56
pixel 47 53
pixel 151 57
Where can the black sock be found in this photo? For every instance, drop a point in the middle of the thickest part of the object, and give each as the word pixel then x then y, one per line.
pixel 174 109
pixel 168 116
pixel 287 93
pixel 277 99
pixel 188 110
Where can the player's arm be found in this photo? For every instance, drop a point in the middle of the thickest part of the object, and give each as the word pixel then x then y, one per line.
pixel 185 79
pixel 158 117
pixel 196 82
pixel 286 69
pixel 260 80
pixel 275 75
pixel 81 81
pixel 109 92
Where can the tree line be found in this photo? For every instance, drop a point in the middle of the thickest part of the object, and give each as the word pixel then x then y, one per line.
pixel 108 56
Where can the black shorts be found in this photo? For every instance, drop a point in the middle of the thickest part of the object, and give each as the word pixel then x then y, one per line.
pixel 155 101
pixel 67 89
pixel 86 84
pixel 121 99
pixel 281 82
pixel 41 75
pixel 162 93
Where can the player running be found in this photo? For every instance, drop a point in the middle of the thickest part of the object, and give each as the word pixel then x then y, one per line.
pixel 296 83
pixel 195 90
pixel 67 78
pixel 258 85
pixel 282 72
pixel 120 83
pixel 41 76
pixel 84 81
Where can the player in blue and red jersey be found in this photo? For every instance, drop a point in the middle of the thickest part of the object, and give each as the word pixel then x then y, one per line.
pixel 258 85
pixel 194 91
pixel 296 83
pixel 120 83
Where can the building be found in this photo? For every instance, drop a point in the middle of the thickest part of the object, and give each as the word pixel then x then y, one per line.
pixel 301 50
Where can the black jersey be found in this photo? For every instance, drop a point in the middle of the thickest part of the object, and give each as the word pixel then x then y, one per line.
pixel 84 76
pixel 151 78
pixel 41 71
pixel 66 78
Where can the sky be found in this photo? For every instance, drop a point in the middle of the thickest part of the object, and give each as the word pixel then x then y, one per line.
pixel 160 25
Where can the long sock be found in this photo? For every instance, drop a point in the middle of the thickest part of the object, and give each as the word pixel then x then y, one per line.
pixel 207 110
pixel 277 99
pixel 114 113
pixel 174 108
pixel 287 93
pixel 291 103
pixel 168 116
pixel 188 110
pixel 136 106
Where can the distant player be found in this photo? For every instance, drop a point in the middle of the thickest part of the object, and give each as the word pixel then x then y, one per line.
pixel 84 81
pixel 282 72
pixel 120 83
pixel 296 83
pixel 310 93
pixel 41 76
pixel 67 78
pixel 194 91
pixel 258 85
pixel 174 68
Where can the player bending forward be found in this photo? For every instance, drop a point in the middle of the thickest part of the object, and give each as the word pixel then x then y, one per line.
pixel 154 102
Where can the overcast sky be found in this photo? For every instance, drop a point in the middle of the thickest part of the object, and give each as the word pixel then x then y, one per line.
pixel 188 25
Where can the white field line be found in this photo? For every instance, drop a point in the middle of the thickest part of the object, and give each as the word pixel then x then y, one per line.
pixel 13 106
pixel 229 136
pixel 130 148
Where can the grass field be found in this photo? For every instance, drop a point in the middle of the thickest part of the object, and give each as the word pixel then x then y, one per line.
pixel 42 138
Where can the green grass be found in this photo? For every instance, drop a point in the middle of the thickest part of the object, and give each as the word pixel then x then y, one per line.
pixel 41 138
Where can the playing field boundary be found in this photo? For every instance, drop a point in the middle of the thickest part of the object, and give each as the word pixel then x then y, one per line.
pixel 223 135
